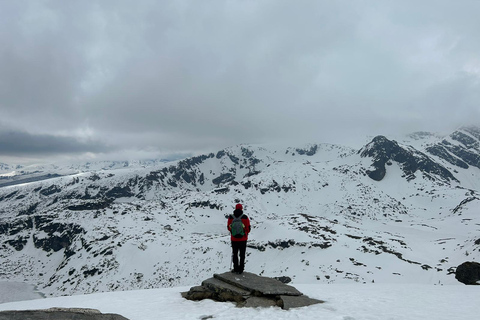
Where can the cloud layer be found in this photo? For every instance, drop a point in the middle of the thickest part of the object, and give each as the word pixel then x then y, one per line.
pixel 172 76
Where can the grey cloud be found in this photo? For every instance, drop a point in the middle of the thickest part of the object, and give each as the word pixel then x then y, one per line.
pixel 189 74
pixel 18 143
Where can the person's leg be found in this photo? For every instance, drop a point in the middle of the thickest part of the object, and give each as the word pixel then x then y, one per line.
pixel 235 248
pixel 242 248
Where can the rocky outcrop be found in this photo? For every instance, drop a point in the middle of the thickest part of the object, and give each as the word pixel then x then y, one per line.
pixel 249 290
pixel 468 273
pixel 384 151
pixel 59 314
pixel 461 148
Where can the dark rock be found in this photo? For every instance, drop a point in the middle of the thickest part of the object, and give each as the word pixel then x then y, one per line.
pixel 249 290
pixel 198 293
pixel 224 179
pixel 50 190
pixel 283 279
pixel 120 192
pixel 91 272
pixel 282 244
pixel 254 283
pixel 442 152
pixel 222 190
pixel 251 174
pixel 289 302
pixel 56 235
pixel 465 153
pixel 382 150
pixel 466 140
pixel 93 205
pixel 10 195
pixel 59 314
pixel 94 177
pixel 259 302
pixel 31 209
pixel 274 186
pixel 17 226
pixel 463 203
pixel 473 130
pixel 18 243
pixel 468 273
pixel 308 152
pixel 223 291
pixel 205 204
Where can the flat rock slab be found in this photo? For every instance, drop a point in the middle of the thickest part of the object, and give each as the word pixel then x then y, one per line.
pixel 289 302
pixel 216 284
pixel 253 283
pixel 59 314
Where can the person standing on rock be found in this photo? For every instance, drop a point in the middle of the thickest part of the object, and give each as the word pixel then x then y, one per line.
pixel 239 226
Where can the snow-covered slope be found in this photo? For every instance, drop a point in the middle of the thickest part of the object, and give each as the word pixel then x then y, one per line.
pixel 343 301
pixel 19 174
pixel 321 213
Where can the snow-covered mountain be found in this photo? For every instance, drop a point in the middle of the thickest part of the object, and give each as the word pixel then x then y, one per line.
pixel 388 212
pixel 20 174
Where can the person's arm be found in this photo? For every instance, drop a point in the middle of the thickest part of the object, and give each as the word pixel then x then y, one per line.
pixel 247 226
pixel 229 224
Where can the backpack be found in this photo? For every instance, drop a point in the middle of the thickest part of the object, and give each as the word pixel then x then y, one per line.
pixel 237 227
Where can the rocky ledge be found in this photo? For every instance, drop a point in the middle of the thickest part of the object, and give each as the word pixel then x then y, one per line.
pixel 249 290
pixel 59 314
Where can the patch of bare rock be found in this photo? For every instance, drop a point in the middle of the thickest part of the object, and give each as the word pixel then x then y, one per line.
pixel 249 290
pixel 59 314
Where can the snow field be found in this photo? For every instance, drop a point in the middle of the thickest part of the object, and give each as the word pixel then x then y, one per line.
pixel 343 302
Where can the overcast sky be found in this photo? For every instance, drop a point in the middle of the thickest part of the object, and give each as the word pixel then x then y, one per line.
pixel 113 79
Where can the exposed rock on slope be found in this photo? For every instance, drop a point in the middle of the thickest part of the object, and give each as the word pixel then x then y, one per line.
pixel 383 151
pixel 461 148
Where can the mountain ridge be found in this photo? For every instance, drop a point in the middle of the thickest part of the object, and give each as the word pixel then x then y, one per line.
pixel 318 216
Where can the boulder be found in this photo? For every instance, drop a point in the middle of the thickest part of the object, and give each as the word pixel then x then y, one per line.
pixel 283 279
pixel 468 273
pixel 59 314
pixel 249 290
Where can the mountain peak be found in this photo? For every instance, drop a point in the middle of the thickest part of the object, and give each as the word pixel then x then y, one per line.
pixel 461 148
pixel 383 151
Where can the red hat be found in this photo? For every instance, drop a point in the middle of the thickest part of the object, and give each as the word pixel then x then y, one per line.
pixel 238 207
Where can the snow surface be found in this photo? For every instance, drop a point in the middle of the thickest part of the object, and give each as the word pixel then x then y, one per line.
pixel 343 302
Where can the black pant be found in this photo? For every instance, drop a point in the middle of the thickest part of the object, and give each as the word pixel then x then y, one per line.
pixel 239 247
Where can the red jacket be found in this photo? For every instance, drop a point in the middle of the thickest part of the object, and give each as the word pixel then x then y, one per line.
pixel 246 223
